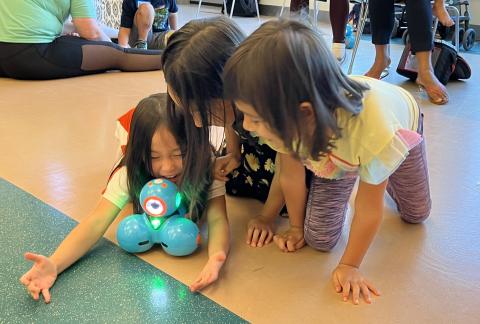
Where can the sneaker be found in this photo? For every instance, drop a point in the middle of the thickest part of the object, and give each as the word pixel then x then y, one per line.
pixel 338 50
pixel 140 44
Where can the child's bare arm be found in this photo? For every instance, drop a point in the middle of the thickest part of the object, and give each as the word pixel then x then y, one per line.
pixel 85 235
pixel 292 182
pixel 41 277
pixel 261 228
pixel 218 243
pixel 172 20
pixel 365 224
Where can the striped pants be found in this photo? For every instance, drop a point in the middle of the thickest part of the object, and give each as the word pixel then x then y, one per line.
pixel 328 199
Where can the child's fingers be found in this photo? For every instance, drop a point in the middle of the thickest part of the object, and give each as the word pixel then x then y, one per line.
pixel 263 236
pixel 269 237
pixel 196 284
pixel 46 295
pixel 32 257
pixel 346 290
pixel 366 293
pixel 290 245
pixel 300 244
pixel 372 288
pixel 336 283
pixel 256 234
pixel 280 241
pixel 355 293
pixel 249 234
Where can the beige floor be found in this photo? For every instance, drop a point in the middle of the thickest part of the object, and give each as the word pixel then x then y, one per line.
pixel 57 143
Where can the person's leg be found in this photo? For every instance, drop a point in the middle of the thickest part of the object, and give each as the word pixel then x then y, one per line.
pixel 381 22
pixel 143 22
pixel 300 9
pixel 442 14
pixel 70 56
pixel 409 185
pixel 326 210
pixel 419 20
pixel 338 20
pixel 159 40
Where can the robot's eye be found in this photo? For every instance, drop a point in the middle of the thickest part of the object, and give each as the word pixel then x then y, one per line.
pixel 154 206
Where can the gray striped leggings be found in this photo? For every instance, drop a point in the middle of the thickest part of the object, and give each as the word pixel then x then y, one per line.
pixel 328 199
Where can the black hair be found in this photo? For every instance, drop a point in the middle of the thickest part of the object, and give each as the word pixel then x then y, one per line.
pixel 193 64
pixel 150 114
pixel 283 64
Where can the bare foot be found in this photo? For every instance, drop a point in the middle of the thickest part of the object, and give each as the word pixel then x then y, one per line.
pixel 442 14
pixel 378 68
pixel 437 93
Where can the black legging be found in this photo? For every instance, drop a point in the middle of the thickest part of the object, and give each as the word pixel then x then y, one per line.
pixel 338 19
pixel 69 56
pixel 419 20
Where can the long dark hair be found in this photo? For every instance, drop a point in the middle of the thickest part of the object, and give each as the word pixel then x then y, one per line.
pixel 150 114
pixel 193 64
pixel 281 65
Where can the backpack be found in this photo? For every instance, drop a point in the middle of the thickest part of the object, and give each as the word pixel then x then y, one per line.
pixel 447 64
pixel 243 8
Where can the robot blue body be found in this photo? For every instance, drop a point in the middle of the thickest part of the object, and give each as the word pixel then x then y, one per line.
pixel 163 222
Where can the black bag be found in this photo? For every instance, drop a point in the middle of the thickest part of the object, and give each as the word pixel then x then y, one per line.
pixel 243 8
pixel 447 64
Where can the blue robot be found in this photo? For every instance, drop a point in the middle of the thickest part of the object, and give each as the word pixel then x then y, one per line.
pixel 163 222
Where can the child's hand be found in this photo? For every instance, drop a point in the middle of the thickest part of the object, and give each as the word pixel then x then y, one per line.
pixel 290 240
pixel 260 231
pixel 348 278
pixel 210 272
pixel 224 165
pixel 40 277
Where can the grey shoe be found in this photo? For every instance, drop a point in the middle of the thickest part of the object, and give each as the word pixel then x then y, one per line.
pixel 140 44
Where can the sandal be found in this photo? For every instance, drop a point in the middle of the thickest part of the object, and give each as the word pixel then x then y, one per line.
pixel 436 95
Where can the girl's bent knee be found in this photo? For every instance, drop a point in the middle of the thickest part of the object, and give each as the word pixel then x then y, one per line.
pixel 320 243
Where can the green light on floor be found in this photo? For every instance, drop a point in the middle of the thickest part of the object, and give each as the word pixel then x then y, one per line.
pixel 156 222
pixel 182 293
pixel 158 283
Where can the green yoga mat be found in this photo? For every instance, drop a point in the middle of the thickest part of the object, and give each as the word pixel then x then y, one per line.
pixel 106 286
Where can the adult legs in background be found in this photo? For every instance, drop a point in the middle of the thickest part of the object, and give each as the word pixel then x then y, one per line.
pixel 381 22
pixel 419 20
pixel 338 20
pixel 143 22
pixel 70 56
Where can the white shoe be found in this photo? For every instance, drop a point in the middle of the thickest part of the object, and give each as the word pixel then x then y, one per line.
pixel 338 50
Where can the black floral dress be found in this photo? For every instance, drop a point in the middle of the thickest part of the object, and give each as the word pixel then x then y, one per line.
pixel 253 177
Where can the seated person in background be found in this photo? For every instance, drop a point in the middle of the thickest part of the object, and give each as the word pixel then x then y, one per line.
pixel 147 24
pixel 32 45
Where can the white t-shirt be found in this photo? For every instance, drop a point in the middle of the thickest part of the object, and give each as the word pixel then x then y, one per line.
pixel 117 189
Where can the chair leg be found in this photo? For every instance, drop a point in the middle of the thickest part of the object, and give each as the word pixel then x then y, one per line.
pixel 360 27
pixel 231 11
pixel 283 7
pixel 315 15
pixel 258 12
pixel 198 9
pixel 225 12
